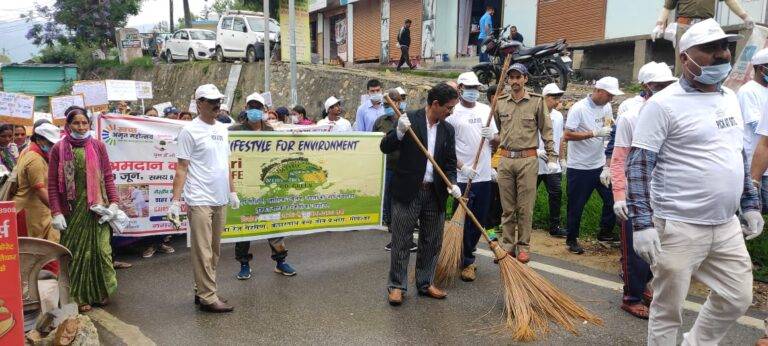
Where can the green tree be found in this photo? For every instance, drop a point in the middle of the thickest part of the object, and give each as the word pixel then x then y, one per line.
pixel 4 59
pixel 220 6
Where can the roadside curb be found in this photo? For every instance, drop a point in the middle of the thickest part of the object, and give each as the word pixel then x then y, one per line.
pixel 113 331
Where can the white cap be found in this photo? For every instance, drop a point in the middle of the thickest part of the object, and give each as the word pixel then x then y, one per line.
pixel 208 91
pixel 642 74
pixel 400 90
pixel 761 57
pixel 468 79
pixel 255 97
pixel 551 89
pixel 704 32
pixel 330 102
pixel 609 84
pixel 49 132
pixel 660 73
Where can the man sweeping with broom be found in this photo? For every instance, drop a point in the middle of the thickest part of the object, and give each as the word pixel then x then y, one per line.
pixel 418 193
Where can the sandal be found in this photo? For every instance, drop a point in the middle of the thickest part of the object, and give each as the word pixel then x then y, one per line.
pixel 121 265
pixel 638 310
pixel 647 298
pixel 84 308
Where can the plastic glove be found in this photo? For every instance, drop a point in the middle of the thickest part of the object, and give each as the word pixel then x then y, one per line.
pixel 755 224
pixel 455 191
pixel 59 223
pixel 102 211
pixel 114 209
pixel 657 32
pixel 602 132
pixel 564 165
pixel 234 201
pixel 621 211
pixel 605 177
pixel 647 244
pixel 487 133
pixel 403 124
pixel 174 212
pixel 552 167
pixel 468 172
pixel 494 175
pixel 542 154
pixel 749 24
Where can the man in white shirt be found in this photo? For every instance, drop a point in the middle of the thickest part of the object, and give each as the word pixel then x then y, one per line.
pixel 753 100
pixel 333 110
pixel 686 180
pixel 552 180
pixel 588 124
pixel 469 121
pixel 642 78
pixel 203 174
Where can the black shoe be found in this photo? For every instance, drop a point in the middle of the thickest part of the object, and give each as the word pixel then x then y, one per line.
pixel 558 232
pixel 414 247
pixel 388 247
pixel 575 248
pixel 607 237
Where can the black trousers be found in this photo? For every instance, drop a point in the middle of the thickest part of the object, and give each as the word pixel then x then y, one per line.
pixel 554 193
pixel 404 57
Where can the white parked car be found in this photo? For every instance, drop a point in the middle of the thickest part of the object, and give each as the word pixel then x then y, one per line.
pixel 190 44
pixel 240 35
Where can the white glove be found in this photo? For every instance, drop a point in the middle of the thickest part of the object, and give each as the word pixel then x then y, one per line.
pixel 605 177
pixel 234 201
pixel 455 191
pixel 621 211
pixel 647 244
pixel 403 124
pixel 602 132
pixel 755 224
pixel 749 24
pixel 564 165
pixel 173 214
pixel 487 133
pixel 552 167
pixel 657 32
pixel 494 175
pixel 59 223
pixel 468 172
pixel 542 154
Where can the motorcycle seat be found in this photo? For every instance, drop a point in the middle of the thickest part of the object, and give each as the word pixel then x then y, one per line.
pixel 535 49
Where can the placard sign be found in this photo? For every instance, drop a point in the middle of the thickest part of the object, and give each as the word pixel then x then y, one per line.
pixel 160 107
pixel 17 109
pixel 94 92
pixel 59 105
pixel 144 90
pixel 11 314
pixel 121 90
pixel 192 107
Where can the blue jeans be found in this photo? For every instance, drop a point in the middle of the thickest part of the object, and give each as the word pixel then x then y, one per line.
pixel 635 272
pixel 764 194
pixel 479 202
pixel 483 56
pixel 581 183
pixel 387 212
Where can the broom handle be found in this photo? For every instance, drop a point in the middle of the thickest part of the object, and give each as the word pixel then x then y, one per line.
pixel 439 170
pixel 499 89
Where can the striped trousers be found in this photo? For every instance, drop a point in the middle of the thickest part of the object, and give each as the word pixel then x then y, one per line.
pixel 431 218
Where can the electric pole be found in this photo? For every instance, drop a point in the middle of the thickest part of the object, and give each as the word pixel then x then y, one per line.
pixel 187 15
pixel 170 2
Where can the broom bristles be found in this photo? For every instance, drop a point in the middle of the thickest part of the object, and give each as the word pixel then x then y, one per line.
pixel 449 260
pixel 531 302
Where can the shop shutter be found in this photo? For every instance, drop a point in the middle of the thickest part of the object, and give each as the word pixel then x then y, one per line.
pixel 399 11
pixel 574 20
pixel 367 30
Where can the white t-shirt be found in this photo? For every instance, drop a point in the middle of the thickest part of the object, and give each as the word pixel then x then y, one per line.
pixel 557 137
pixel 467 122
pixel 586 116
pixel 630 103
pixel 699 171
pixel 753 100
pixel 207 149
pixel 340 125
pixel 625 126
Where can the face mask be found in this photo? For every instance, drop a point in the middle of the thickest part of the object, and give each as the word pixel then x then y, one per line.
pixel 45 148
pixel 294 119
pixel 470 95
pixel 377 97
pixel 403 106
pixel 389 111
pixel 254 115
pixel 77 135
pixel 713 74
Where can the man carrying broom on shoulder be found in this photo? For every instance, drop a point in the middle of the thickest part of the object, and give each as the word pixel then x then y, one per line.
pixel 523 116
pixel 418 193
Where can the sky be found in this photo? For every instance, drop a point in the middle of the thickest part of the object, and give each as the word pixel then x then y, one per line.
pixel 13 29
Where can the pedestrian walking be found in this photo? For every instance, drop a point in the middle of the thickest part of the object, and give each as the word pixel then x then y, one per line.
pixel 552 179
pixel 404 41
pixel 523 117
pixel 202 174
pixel 469 118
pixel 418 193
pixel 635 272
pixel 686 180
pixel 588 124
pixel 753 101
pixel 334 117
pixel 254 121
pixel 371 109
pixel 486 30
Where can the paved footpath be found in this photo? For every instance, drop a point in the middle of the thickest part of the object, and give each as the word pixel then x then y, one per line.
pixel 339 298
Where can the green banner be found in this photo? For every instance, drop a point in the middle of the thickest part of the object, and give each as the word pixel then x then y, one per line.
pixel 302 183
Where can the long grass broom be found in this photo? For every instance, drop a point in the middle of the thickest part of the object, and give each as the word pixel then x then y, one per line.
pixel 449 261
pixel 530 301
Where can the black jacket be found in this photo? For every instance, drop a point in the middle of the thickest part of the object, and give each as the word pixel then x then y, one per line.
pixel 412 163
pixel 404 37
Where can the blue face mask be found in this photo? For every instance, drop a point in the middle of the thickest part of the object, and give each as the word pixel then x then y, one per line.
pixel 765 77
pixel 254 115
pixel 44 148
pixel 470 95
pixel 713 74
pixel 389 111
pixel 403 105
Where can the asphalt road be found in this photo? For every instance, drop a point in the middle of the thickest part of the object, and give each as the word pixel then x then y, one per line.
pixel 339 297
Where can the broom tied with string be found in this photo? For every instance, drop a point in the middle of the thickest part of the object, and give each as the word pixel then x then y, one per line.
pixel 531 302
pixel 449 262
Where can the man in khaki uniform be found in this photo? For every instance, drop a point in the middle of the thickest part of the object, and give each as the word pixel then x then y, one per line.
pixel 523 116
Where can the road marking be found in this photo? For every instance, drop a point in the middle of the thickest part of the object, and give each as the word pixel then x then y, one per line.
pixel 616 286
pixel 126 333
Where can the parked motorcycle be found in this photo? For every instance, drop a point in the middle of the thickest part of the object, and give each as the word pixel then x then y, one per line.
pixel 546 63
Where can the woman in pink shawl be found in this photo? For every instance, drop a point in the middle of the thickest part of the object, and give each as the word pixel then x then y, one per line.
pixel 80 176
